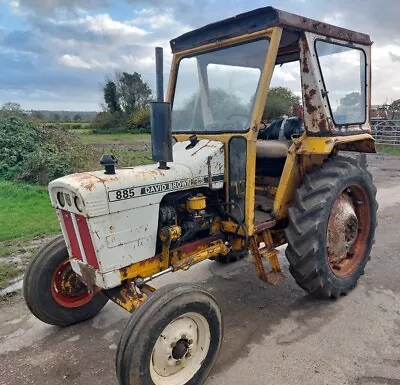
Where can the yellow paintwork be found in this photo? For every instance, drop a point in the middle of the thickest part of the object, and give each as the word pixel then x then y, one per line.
pixel 196 203
pixel 171 233
pixel 176 260
pixel 325 145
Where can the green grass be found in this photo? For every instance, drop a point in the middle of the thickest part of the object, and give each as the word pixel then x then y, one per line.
pixel 70 124
pixel 88 137
pixel 394 150
pixel 26 212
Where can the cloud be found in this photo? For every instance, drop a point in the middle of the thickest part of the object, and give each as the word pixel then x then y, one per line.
pixel 67 47
pixel 71 55
pixel 52 6
pixel 394 57
pixel 106 26
pixel 76 62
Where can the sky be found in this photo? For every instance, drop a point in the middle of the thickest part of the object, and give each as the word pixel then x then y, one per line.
pixel 55 54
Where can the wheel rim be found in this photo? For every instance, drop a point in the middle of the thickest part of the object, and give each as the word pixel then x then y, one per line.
pixel 67 289
pixel 180 350
pixel 348 229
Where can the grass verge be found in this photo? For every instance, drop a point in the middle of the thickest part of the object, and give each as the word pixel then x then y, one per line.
pixel 26 212
pixel 394 150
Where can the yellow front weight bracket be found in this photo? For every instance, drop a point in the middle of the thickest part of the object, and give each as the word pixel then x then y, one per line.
pixel 128 296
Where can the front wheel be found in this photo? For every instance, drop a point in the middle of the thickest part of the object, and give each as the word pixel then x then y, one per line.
pixel 331 227
pixel 174 338
pixel 53 291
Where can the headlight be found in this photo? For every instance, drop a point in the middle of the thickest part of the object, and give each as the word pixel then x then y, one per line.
pixel 78 204
pixel 68 199
pixel 61 199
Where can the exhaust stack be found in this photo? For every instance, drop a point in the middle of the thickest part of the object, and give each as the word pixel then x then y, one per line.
pixel 161 131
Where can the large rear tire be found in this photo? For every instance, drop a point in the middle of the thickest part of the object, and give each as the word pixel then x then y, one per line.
pixel 54 293
pixel 173 338
pixel 331 227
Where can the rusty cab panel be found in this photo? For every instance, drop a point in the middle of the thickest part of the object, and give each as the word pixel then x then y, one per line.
pixel 336 92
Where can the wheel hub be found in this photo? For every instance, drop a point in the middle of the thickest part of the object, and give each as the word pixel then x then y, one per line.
pixel 67 289
pixel 342 229
pixel 180 350
pixel 348 230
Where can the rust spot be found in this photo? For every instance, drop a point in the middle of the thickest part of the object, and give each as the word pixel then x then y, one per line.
pixel 308 101
pixel 87 181
pixel 322 125
pixel 303 57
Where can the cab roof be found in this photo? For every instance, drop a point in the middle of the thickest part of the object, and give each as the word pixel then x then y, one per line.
pixel 260 19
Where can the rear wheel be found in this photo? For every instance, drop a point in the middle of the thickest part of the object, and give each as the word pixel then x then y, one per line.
pixel 331 227
pixel 53 291
pixel 174 338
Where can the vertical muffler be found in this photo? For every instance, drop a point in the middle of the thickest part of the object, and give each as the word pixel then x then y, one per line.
pixel 161 130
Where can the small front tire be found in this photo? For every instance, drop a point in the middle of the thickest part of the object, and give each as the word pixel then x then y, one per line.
pixel 174 338
pixel 54 293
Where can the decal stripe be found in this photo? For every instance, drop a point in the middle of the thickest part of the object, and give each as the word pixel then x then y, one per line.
pixel 78 237
pixel 156 188
pixel 73 241
pixel 87 242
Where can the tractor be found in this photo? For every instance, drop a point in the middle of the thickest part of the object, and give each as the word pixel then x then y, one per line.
pixel 221 187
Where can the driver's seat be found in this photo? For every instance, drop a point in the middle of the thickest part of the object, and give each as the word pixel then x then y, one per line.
pixel 272 149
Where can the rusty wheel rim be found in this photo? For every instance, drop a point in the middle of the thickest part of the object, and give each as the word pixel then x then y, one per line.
pixel 348 229
pixel 67 289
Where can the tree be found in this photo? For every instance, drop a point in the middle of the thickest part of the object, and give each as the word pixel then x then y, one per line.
pixel 56 117
pixel 281 101
pixel 133 92
pixel 77 118
pixel 351 100
pixel 11 106
pixel 111 97
pixel 126 92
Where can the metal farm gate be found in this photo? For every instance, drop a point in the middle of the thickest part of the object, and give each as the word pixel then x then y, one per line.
pixel 386 132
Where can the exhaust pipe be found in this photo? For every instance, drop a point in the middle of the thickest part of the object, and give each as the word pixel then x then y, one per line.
pixel 161 130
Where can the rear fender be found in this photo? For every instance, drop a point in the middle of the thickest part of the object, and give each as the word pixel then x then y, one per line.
pixel 307 152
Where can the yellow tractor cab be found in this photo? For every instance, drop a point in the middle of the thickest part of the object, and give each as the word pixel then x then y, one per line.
pixel 226 184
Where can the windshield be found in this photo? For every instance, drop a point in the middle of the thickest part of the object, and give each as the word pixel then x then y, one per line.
pixel 344 72
pixel 215 91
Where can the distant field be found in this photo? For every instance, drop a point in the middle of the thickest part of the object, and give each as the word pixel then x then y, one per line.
pixel 88 137
pixel 82 124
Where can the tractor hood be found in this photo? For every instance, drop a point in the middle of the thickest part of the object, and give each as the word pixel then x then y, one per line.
pixel 199 166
